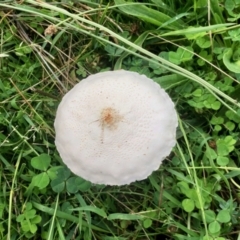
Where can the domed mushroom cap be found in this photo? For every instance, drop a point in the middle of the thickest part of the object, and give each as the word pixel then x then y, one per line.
pixel 115 127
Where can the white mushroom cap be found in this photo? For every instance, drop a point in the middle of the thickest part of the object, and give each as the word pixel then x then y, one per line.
pixel 115 127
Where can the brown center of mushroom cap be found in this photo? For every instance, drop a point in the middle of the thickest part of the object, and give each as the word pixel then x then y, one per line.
pixel 110 118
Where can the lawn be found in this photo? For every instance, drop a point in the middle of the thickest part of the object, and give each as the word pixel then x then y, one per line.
pixel 190 48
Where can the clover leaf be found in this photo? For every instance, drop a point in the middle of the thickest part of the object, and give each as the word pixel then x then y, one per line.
pixel 29 219
pixel 41 180
pixel 234 35
pixel 181 55
pixel 203 42
pixel 188 205
pixel 63 181
pixel 41 162
pixel 233 66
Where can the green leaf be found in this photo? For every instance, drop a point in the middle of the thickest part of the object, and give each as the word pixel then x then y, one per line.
pixel 209 216
pixel 222 148
pixel 139 41
pixel 96 210
pixel 147 223
pixel 233 116
pixel 203 42
pixel 84 186
pixel 29 214
pixel 188 205
pixel 238 115
pixel 222 161
pixel 216 105
pixel 214 227
pixel 41 162
pixel 124 216
pixel 217 120
pixel 41 180
pixel 67 216
pixel 217 128
pixel 229 125
pixel 211 154
pixel 236 55
pixel 205 57
pixel 151 213
pixel 229 5
pixel 58 185
pixel 207 104
pixel 28 206
pixel 72 185
pixel 22 50
pixel 52 172
pixel 2 207
pixel 66 206
pixel 230 141
pixel 182 55
pixel 36 219
pixel 14 103
pixel 183 186
pixel 224 216
pixel 25 225
pixel 232 66
pixel 63 173
pixel 75 184
pixel 207 238
pixel 195 32
pixel 113 51
pixel 198 92
pixel 124 224
pixel 32 228
pixel 170 81
pixel 20 218
pixel 232 174
pixel 147 14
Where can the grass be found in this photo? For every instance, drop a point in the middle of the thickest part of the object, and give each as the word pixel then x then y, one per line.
pixel 190 48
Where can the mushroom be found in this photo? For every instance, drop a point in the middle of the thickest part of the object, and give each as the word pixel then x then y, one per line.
pixel 115 127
